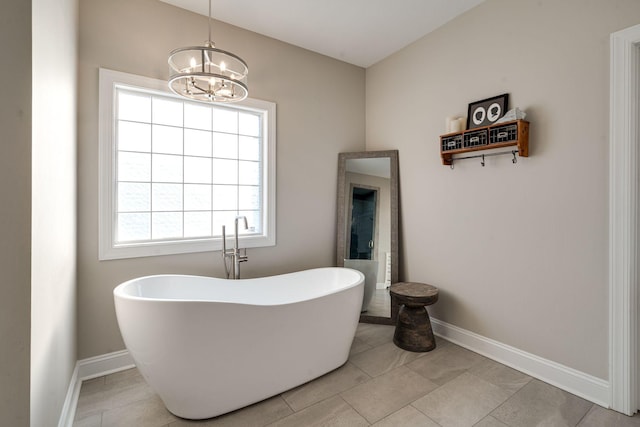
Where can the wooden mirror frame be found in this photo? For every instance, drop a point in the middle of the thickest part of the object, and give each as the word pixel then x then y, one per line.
pixel 341 218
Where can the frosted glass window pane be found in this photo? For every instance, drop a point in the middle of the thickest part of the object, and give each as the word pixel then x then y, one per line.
pixel 167 139
pixel 134 136
pixel 133 226
pixel 249 148
pixel 167 168
pixel 134 106
pixel 223 218
pixel 183 168
pixel 249 173
pixel 248 197
pixel 225 171
pixel 134 166
pixel 253 220
pixel 225 120
pixel 166 225
pixel 197 116
pixel 197 197
pixel 167 112
pixel 166 197
pixel 249 124
pixel 225 145
pixel 225 197
pixel 197 224
pixel 134 197
pixel 197 170
pixel 197 143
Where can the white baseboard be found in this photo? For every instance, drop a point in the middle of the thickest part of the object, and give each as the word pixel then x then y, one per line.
pixel 71 400
pixel 104 364
pixel 87 369
pixel 588 387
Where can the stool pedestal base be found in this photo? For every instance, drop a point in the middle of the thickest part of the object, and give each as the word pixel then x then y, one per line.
pixel 413 330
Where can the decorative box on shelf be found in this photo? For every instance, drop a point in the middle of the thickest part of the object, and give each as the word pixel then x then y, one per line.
pixel 484 138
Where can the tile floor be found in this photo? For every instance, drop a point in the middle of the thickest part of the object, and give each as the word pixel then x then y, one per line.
pixel 380 385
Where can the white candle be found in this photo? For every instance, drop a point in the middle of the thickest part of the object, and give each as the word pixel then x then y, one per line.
pixel 449 121
pixel 455 126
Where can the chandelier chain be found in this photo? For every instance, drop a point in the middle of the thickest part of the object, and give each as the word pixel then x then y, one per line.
pixel 210 40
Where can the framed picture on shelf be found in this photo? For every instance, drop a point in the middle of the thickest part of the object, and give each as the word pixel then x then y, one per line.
pixel 487 111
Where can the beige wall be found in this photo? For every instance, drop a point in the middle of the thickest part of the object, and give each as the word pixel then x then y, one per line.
pixel 53 269
pixel 15 211
pixel 320 113
pixel 519 252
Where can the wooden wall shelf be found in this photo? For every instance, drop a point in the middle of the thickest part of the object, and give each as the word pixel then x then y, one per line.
pixel 507 134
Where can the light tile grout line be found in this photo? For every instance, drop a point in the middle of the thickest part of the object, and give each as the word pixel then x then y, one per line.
pixel 355 410
pixel 411 404
pixel 293 411
pixel 585 414
pixel 339 394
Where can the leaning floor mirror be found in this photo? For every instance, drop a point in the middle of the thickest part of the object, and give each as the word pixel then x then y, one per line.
pixel 367 230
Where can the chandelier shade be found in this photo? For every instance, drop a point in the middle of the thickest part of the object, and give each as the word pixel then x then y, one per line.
pixel 205 73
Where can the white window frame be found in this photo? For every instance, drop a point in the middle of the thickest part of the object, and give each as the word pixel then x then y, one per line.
pixel 108 248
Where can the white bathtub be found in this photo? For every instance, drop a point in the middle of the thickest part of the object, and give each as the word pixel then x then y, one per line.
pixel 209 346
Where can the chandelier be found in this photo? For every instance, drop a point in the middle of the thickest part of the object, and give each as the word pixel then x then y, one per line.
pixel 205 73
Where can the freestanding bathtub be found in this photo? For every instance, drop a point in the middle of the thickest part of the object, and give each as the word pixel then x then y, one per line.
pixel 209 346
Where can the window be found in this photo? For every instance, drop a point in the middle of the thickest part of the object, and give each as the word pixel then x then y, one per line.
pixel 174 171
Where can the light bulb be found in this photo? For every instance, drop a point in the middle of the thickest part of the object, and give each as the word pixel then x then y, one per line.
pixel 192 62
pixel 223 66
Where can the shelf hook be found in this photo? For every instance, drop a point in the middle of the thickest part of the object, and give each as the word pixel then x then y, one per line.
pixel 482 162
pixel 515 159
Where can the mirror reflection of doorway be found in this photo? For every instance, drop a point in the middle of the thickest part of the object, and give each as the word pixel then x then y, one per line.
pixel 363 223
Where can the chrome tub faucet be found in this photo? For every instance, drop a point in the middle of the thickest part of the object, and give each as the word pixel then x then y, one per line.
pixel 233 271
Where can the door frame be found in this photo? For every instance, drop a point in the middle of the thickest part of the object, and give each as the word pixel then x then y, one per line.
pixel 623 220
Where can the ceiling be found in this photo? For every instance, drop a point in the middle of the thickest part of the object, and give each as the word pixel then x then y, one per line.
pixel 360 32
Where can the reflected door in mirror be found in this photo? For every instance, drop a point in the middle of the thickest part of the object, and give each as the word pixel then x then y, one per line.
pixel 363 223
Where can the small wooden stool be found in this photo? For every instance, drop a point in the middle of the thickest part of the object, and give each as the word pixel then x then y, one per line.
pixel 413 329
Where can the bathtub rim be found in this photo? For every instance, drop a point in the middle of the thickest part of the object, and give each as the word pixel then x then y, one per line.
pixel 118 291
